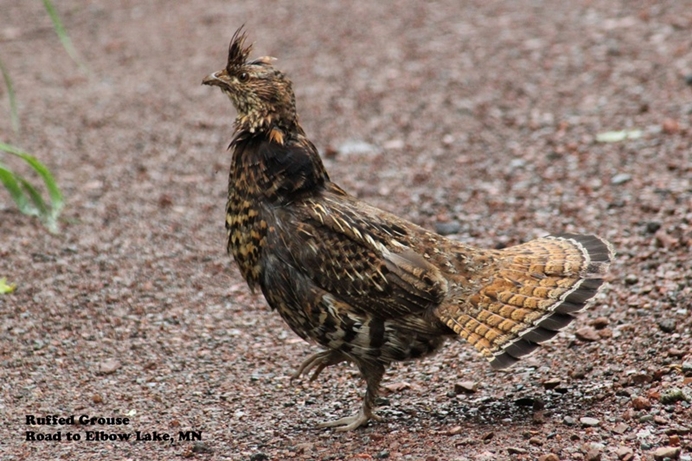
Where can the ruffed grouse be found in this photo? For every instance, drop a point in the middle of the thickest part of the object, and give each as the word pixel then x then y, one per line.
pixel 369 287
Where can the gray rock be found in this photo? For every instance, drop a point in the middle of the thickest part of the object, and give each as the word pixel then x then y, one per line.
pixel 448 228
pixel 667 325
pixel 687 368
pixel 589 422
pixel 620 178
pixel 653 226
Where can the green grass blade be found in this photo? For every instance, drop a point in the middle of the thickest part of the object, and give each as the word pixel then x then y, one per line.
pixel 56 198
pixel 43 211
pixel 10 182
pixel 14 113
pixel 62 34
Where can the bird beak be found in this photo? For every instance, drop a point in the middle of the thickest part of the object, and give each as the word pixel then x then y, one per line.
pixel 212 79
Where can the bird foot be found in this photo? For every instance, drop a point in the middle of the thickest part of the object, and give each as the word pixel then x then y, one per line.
pixel 352 422
pixel 318 361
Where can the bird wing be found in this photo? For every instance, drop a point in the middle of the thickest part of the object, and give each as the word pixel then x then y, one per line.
pixel 359 255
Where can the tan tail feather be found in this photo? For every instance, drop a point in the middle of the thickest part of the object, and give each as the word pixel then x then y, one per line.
pixel 530 295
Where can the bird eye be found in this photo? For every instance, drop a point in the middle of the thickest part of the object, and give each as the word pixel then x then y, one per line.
pixel 243 77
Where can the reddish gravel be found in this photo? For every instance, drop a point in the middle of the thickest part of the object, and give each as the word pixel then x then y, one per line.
pixel 479 119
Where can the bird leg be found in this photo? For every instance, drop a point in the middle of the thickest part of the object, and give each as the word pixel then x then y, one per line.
pixel 319 362
pixel 372 373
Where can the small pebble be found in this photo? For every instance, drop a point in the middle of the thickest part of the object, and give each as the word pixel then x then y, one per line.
pixel 587 334
pixel 394 144
pixel 670 126
pixel 593 455
pixel 673 395
pixel 485 456
pixel 303 447
pixel 579 373
pixel 667 452
pixel 681 430
pixel 552 383
pixel 456 430
pixel 605 333
pixel 641 378
pixel 687 368
pixel 620 178
pixel 535 441
pixel 641 403
pixel 653 226
pixel 108 366
pixel 516 451
pixel 660 420
pixel 675 352
pixel 448 228
pixel 589 422
pixel 667 325
pixel 549 457
pixel 631 279
pixel 622 452
pixel 568 421
pixel 201 447
pixel 599 322
pixel 664 240
pixel 525 402
pixel 620 428
pixel 465 387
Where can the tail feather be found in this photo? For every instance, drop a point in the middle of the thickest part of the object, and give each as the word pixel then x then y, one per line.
pixel 529 294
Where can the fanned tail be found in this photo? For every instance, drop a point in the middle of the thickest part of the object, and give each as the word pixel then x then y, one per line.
pixel 529 295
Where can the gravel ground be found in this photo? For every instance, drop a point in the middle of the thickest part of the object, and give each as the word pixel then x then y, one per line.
pixel 480 120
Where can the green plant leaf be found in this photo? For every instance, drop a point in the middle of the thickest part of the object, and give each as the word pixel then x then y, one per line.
pixel 62 35
pixel 9 180
pixel 14 114
pixel 35 196
pixel 49 215
pixel 56 197
pixel 6 287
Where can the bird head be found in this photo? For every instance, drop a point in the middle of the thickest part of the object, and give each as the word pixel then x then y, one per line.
pixel 261 94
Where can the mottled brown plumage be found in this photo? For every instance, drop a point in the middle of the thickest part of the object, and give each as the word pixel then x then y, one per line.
pixel 369 287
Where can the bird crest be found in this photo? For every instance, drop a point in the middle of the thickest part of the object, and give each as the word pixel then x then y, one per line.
pixel 237 51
